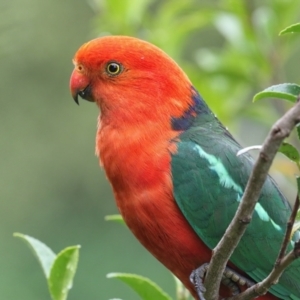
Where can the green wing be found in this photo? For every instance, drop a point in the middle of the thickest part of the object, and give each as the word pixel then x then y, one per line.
pixel 209 180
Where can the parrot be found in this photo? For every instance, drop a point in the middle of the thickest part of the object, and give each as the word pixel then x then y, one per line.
pixel 173 166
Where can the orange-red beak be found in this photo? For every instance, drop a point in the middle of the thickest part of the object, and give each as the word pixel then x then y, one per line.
pixel 80 85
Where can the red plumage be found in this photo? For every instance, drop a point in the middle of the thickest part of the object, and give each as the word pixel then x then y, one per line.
pixel 133 143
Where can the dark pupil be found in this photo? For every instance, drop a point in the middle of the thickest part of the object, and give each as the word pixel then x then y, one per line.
pixel 113 68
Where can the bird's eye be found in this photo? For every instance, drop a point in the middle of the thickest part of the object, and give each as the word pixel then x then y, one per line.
pixel 113 68
pixel 79 67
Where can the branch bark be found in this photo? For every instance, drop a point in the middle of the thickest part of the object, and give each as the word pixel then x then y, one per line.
pixel 222 252
pixel 288 231
pixel 262 287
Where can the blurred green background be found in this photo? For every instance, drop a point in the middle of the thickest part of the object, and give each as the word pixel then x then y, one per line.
pixel 51 185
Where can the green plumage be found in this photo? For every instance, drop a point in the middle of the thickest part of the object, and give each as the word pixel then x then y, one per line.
pixel 209 180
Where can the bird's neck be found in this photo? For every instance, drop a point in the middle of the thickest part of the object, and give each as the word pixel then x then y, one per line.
pixel 197 110
pixel 135 148
pixel 131 155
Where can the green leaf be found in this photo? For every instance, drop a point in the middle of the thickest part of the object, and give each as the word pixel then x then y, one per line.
pixel 182 292
pixel 62 272
pixel 286 91
pixel 296 225
pixel 290 152
pixel 291 29
pixel 298 184
pixel 144 287
pixel 116 218
pixel 43 253
pixel 298 216
pixel 298 130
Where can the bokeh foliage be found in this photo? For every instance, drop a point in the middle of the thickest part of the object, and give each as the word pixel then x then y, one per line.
pixel 51 185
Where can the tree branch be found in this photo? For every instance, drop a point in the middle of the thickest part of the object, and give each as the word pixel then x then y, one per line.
pixel 262 287
pixel 222 252
pixel 281 263
pixel 288 232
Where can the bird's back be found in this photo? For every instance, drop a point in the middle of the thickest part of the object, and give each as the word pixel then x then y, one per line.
pixel 209 180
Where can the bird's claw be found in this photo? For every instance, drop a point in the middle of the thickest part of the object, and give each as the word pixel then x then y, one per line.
pixel 197 279
pixel 232 279
pixel 236 278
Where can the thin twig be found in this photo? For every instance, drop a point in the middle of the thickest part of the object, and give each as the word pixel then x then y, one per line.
pixel 222 252
pixel 262 287
pixel 288 231
pixel 281 263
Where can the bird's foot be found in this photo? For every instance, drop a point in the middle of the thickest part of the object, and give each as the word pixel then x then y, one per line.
pixel 197 279
pixel 232 279
pixel 236 278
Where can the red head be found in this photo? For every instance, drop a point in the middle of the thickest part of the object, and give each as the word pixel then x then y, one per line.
pixel 129 79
